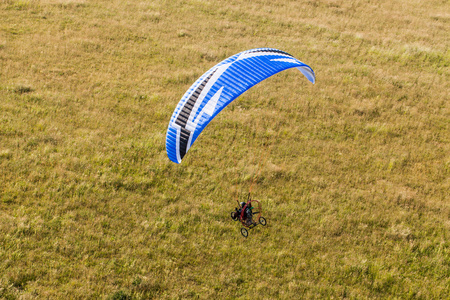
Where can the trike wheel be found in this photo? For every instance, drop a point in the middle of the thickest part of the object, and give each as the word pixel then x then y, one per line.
pixel 244 232
pixel 233 216
pixel 262 221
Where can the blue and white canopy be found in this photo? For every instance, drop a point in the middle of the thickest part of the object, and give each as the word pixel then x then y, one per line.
pixel 218 87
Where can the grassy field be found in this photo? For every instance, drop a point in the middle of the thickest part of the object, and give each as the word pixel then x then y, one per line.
pixel 355 175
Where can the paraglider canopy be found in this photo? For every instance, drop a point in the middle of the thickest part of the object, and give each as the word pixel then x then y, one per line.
pixel 218 87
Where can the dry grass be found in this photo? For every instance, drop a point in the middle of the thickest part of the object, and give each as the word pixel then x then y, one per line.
pixel 355 183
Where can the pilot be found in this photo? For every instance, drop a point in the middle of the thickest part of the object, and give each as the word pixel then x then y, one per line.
pixel 247 217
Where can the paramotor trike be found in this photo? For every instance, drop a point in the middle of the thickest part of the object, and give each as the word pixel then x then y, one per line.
pixel 249 214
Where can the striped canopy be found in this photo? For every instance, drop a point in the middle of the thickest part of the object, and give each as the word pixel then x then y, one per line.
pixel 215 89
